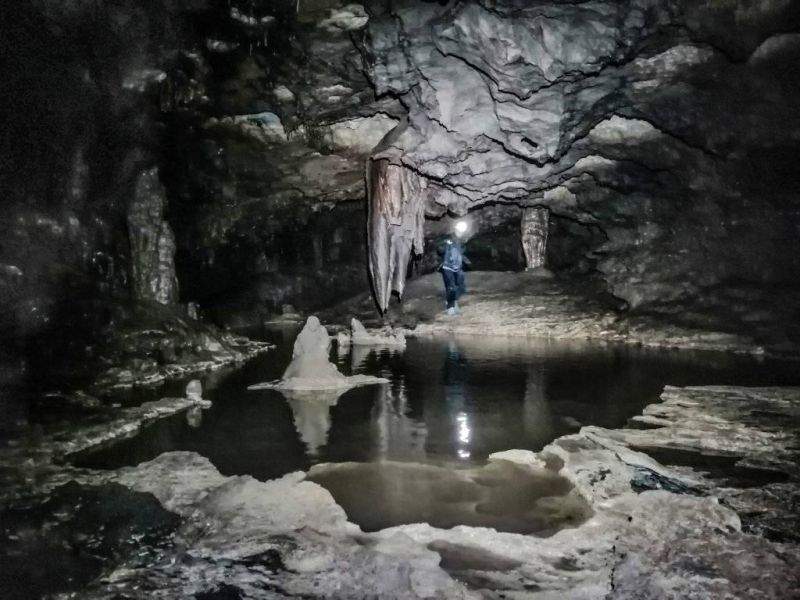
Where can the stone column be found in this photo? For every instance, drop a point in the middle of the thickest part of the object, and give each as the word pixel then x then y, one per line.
pixel 152 243
pixel 534 227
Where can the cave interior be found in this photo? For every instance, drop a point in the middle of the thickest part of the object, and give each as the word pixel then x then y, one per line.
pixel 185 182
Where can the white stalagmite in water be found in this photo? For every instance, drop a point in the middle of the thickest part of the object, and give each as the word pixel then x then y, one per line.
pixel 310 368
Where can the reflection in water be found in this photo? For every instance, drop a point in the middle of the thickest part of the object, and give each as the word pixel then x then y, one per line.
pixel 312 415
pixel 536 415
pixel 450 402
pixel 455 373
pixel 398 437
pixel 359 355
pixel 194 417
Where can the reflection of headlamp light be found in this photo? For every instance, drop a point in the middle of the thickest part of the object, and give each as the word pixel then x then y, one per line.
pixel 461 227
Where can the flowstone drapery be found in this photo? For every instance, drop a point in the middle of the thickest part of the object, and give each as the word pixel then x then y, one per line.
pixel 396 200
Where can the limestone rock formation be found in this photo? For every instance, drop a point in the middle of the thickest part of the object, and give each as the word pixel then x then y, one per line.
pixel 605 114
pixel 311 368
pixel 396 200
pixel 535 229
pixel 152 243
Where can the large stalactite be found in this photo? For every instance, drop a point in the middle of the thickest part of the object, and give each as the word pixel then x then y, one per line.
pixel 396 200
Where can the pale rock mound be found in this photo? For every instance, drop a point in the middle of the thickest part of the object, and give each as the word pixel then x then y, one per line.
pixel 310 368
pixel 386 336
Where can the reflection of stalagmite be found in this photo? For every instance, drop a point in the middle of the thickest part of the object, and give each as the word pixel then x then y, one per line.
pixel 396 201
pixel 312 416
pixel 535 222
pixel 358 356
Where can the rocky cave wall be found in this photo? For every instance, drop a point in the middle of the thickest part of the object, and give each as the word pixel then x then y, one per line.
pixel 671 126
pixel 661 135
pixel 266 167
pixel 80 128
pixel 155 159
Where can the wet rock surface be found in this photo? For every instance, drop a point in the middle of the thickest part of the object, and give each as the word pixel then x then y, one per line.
pixel 361 336
pixel 743 442
pixel 501 496
pixel 667 530
pixel 150 343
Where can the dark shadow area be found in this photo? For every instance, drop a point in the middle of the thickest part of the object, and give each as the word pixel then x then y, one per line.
pixel 724 468
pixel 76 534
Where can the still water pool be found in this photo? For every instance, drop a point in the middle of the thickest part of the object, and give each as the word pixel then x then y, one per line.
pixel 450 402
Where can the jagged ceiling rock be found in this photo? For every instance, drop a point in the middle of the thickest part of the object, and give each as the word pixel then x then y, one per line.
pixel 499 93
pixel 643 117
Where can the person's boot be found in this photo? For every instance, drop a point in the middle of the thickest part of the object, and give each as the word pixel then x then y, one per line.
pixel 451 311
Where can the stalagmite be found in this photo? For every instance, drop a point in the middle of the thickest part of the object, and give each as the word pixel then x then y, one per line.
pixel 534 226
pixel 152 242
pixel 396 200
pixel 311 369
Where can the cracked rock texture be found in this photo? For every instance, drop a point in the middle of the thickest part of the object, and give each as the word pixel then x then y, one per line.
pixel 669 125
pixel 660 135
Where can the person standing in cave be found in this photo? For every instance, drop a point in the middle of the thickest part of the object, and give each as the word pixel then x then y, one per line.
pixel 452 267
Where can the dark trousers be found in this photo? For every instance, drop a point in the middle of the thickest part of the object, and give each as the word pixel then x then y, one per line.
pixel 453 285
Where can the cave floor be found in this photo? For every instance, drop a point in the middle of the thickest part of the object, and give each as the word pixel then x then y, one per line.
pixel 507 303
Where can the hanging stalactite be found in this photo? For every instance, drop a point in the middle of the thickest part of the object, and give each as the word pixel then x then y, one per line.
pixel 396 200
